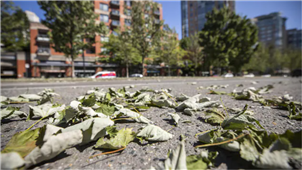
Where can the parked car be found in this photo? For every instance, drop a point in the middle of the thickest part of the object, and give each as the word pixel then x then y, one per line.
pixel 249 75
pixel 266 75
pixel 227 75
pixel 104 74
pixel 136 75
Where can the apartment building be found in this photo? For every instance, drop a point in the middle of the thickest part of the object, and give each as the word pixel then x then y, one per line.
pixel 294 38
pixel 272 29
pixel 193 14
pixel 46 62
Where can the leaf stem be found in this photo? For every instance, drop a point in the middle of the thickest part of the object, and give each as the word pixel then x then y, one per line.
pixel 220 143
pixel 36 123
pixel 104 153
pixel 171 98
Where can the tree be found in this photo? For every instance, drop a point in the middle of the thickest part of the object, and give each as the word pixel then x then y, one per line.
pixel 70 22
pixel 14 27
pixel 259 61
pixel 293 59
pixel 194 50
pixel 269 59
pixel 120 49
pixel 145 28
pixel 172 53
pixel 228 39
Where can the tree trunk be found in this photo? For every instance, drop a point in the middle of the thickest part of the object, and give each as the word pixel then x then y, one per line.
pixel 127 69
pixel 72 68
pixel 143 59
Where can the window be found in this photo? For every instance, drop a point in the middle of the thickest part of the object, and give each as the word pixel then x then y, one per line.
pixel 128 3
pixel 128 22
pixel 104 18
pixel 103 50
pixel 104 39
pixel 127 12
pixel 89 39
pixel 91 50
pixel 104 7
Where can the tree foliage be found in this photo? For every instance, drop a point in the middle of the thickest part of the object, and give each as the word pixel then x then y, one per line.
pixel 268 59
pixel 228 39
pixel 70 22
pixel 120 49
pixel 14 27
pixel 171 53
pixel 194 51
pixel 145 28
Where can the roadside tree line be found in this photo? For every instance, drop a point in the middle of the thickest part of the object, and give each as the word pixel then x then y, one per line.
pixel 227 41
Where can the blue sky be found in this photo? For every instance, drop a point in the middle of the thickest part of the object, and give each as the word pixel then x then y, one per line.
pixel 172 14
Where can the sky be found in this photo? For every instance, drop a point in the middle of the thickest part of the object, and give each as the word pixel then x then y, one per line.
pixel 172 13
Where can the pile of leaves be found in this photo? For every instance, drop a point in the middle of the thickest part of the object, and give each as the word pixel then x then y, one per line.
pixel 93 118
pixel 283 102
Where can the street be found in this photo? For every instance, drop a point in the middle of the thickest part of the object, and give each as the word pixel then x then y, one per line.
pixel 143 156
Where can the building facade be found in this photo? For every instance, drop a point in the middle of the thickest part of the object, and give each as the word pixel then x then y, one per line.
pixel 193 14
pixel 272 29
pixel 294 38
pixel 46 62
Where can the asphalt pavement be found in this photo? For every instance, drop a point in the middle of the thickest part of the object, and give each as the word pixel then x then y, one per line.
pixel 143 156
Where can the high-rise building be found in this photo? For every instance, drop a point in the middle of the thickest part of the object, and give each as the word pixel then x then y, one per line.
pixel 271 29
pixel 45 61
pixel 294 38
pixel 193 14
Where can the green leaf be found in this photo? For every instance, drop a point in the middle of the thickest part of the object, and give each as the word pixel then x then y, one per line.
pixel 175 117
pixel 112 131
pixel 11 160
pixel 92 129
pixel 163 103
pixel 44 110
pixel 22 142
pixel 3 99
pixel 11 112
pixel 129 113
pixel 177 158
pixel 240 121
pixel 121 140
pixel 89 101
pixel 217 92
pixel 106 109
pixel 293 112
pixel 214 116
pixel 18 100
pixel 54 145
pixel 154 133
pixel 202 161
pixel 31 97
pixel 217 136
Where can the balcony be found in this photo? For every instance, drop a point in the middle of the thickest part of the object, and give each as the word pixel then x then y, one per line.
pixel 157 12
pixel 115 13
pixel 43 51
pixel 42 38
pixel 115 3
pixel 115 23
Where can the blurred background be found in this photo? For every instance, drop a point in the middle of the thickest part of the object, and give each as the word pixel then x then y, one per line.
pixel 57 39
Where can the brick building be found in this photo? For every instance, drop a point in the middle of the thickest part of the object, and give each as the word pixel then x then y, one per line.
pixel 46 62
pixel 193 14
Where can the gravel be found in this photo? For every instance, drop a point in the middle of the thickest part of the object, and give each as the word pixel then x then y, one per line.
pixel 143 156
